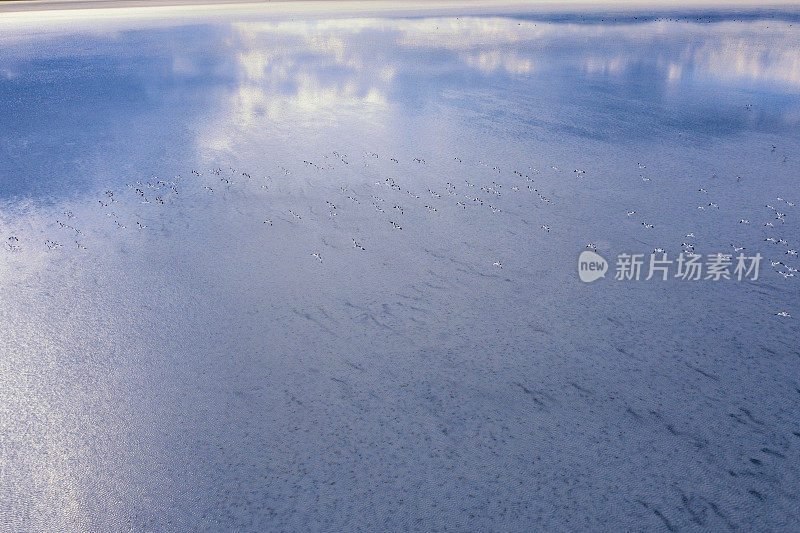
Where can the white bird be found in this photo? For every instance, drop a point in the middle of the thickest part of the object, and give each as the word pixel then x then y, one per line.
pixel 317 257
pixel 497 264
pixel 546 228
pixel 783 313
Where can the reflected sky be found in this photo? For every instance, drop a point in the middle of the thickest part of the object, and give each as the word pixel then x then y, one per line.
pixel 74 104
pixel 319 274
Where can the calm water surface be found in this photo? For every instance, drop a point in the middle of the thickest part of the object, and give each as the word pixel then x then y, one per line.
pixel 320 274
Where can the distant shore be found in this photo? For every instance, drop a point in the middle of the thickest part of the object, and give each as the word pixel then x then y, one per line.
pixel 350 6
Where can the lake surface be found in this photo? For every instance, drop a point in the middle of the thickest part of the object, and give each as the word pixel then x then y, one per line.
pixel 321 273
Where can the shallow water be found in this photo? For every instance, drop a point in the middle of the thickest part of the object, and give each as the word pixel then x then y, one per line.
pixel 321 274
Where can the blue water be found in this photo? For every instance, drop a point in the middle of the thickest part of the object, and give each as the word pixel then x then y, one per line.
pixel 212 319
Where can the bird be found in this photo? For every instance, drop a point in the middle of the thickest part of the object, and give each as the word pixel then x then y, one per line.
pixel 317 257
pixel 547 228
pixel 630 213
pixel 591 246
pixel 784 314
pixel 357 245
pixel 744 221
pixel 497 264
pixel 268 221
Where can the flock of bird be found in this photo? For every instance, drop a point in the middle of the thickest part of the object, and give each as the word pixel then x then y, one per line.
pixel 773 219
pixel 394 203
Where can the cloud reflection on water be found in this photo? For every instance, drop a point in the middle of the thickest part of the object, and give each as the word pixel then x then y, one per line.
pixel 178 91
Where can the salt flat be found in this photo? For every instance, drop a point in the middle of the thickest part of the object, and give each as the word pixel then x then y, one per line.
pixel 321 273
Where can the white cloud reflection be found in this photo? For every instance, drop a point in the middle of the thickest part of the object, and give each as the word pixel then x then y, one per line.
pixel 306 69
